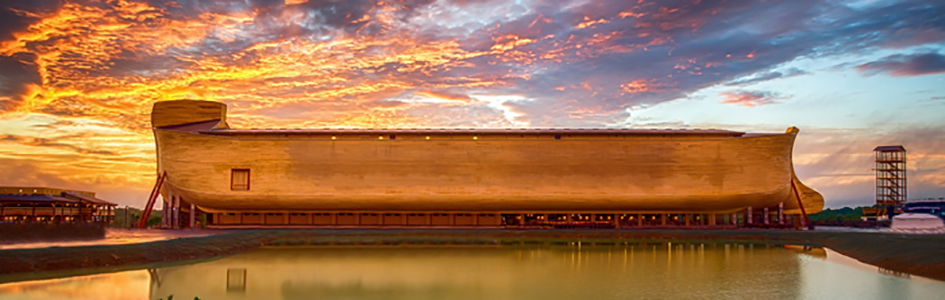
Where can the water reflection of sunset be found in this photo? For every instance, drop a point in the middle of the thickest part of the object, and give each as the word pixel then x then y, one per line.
pixel 654 270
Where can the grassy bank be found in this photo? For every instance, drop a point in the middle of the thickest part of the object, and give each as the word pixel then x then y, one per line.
pixel 922 255
pixel 54 262
pixel 19 233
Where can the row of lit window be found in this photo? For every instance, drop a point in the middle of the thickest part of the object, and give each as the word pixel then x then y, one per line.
pixel 394 137
pixel 61 205
pixel 37 219
pixel 362 214
pixel 580 217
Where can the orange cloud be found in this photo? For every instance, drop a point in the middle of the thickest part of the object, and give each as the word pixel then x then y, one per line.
pixel 642 86
pixel 630 13
pixel 588 22
pixel 95 69
pixel 444 96
pixel 509 42
pixel 749 99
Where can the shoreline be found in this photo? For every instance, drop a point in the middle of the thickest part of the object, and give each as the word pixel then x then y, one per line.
pixel 922 255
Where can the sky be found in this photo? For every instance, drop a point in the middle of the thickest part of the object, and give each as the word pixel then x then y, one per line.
pixel 78 78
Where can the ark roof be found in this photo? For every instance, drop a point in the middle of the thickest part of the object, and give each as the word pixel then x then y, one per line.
pixel 527 131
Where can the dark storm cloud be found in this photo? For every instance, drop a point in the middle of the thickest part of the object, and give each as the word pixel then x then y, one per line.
pixel 906 65
pixel 577 63
pixel 275 20
pixel 667 50
pixel 313 17
pixel 898 24
pixel 16 72
pixel 471 63
pixel 129 63
pixel 683 46
pixel 15 15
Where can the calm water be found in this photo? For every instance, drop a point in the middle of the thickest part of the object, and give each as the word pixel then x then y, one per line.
pixel 502 272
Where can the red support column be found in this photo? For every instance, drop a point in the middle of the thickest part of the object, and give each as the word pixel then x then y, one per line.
pixel 800 204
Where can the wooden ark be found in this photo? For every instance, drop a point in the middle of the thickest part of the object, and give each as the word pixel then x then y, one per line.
pixel 471 177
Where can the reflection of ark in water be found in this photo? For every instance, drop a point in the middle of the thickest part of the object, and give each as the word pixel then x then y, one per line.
pixel 471 177
pixel 488 272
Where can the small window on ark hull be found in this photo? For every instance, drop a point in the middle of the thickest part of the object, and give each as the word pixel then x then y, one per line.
pixel 239 179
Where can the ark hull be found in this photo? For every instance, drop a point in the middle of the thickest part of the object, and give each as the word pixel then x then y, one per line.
pixel 473 171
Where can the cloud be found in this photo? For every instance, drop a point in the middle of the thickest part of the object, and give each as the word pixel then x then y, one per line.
pixel 17 73
pixel 366 63
pixel 748 98
pixel 768 76
pixel 642 86
pixel 838 162
pixel 16 15
pixel 444 96
pixel 906 64
pixel 580 56
pixel 44 142
pixel 29 173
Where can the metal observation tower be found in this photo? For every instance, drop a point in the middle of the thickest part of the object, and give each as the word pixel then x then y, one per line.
pixel 890 178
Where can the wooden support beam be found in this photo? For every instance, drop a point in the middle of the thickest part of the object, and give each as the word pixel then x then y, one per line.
pixel 164 213
pixel 193 216
pixel 176 212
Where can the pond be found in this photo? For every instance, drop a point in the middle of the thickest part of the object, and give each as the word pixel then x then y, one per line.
pixel 576 271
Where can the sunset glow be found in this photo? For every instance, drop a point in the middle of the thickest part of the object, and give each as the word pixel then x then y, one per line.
pixel 78 78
